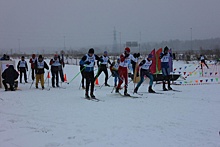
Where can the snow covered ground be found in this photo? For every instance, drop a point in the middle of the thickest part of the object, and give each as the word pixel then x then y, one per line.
pixel 63 118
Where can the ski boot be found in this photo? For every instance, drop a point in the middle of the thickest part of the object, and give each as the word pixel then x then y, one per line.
pixel 169 88
pixel 150 90
pixel 135 90
pixel 87 96
pixel 117 90
pixel 164 87
pixel 126 93
pixel 92 95
pixel 107 85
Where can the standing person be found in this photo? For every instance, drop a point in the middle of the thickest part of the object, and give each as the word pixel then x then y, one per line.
pixel 164 57
pixel 202 59
pixel 9 76
pixel 55 64
pixel 145 71
pixel 88 60
pixel 40 64
pixel 61 66
pixel 83 77
pixel 32 61
pixel 114 69
pixel 103 67
pixel 22 68
pixel 123 69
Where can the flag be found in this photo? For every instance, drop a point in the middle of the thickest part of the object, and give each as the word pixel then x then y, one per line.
pixel 158 62
pixel 171 61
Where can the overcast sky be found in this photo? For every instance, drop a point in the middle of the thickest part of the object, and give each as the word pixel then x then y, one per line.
pixel 42 23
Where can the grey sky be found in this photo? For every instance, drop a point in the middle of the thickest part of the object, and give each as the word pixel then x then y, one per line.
pixel 43 23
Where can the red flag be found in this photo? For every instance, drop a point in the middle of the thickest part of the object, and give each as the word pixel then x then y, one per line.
pixel 158 62
pixel 153 65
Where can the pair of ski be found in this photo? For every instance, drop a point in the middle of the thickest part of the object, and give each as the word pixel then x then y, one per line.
pixel 94 99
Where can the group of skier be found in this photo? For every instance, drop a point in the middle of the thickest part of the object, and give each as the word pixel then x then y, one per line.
pixel 119 70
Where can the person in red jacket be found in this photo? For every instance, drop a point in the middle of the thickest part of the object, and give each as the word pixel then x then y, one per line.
pixel 123 69
pixel 32 61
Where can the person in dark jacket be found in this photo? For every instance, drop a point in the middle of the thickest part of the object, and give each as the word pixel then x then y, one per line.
pixel 22 68
pixel 9 76
pixel 88 61
pixel 103 67
pixel 55 66
pixel 40 64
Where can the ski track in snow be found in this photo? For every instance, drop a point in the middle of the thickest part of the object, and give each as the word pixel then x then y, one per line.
pixel 61 118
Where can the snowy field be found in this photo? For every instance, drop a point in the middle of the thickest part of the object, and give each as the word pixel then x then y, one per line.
pixel 61 117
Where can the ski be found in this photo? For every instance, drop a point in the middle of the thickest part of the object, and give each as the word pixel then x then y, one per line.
pixel 175 90
pixel 141 94
pixel 131 96
pixel 151 93
pixel 93 99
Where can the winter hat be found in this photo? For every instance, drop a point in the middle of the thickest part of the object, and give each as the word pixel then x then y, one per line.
pixel 40 57
pixel 91 51
pixel 150 56
pixel 22 57
pixel 166 48
pixel 55 55
pixel 105 52
pixel 33 55
pixel 127 49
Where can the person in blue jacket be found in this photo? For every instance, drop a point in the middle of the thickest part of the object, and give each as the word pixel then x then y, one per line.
pixel 88 61
pixel 164 57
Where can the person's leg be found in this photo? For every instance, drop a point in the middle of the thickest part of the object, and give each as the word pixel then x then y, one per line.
pixel 32 73
pixel 25 76
pixel 57 78
pixel 150 76
pixel 120 72
pixel 21 73
pixel 42 80
pixel 106 77
pixel 53 78
pixel 37 80
pixel 5 85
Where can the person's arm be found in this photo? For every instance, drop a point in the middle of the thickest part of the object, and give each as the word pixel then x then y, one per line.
pixel 142 62
pixel 46 66
pixel 18 66
pixel 98 58
pixel 26 66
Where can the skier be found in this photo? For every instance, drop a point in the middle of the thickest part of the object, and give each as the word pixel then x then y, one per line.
pixel 145 71
pixel 55 64
pixel 103 67
pixel 123 69
pixel 202 60
pixel 88 60
pixel 114 69
pixel 9 75
pixel 22 68
pixel 164 57
pixel 40 64
pixel 32 61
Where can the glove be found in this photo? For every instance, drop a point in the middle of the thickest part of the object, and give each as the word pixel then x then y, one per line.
pixel 138 55
pixel 135 55
pixel 87 62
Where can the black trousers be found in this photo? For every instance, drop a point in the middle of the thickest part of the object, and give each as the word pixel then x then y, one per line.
pixel 55 75
pixel 89 80
pixel 32 74
pixel 101 69
pixel 6 87
pixel 23 71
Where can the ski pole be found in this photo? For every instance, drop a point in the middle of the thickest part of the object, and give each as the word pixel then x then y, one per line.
pixel 104 83
pixel 76 75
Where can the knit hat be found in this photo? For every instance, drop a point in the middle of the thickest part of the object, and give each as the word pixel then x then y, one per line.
pixel 40 56
pixel 150 56
pixel 105 52
pixel 166 48
pixel 91 51
pixel 33 55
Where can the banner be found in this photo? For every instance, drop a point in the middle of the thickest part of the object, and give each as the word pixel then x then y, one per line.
pixel 158 62
pixel 153 65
